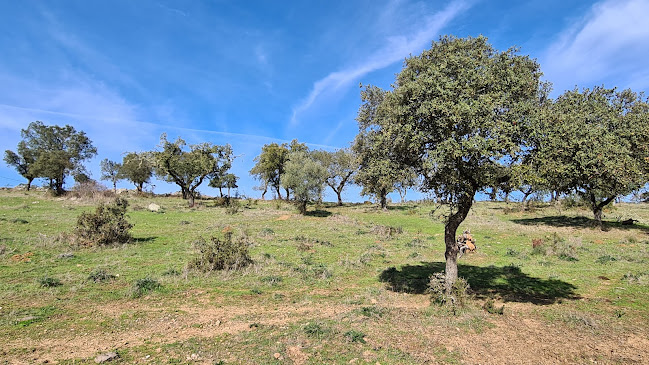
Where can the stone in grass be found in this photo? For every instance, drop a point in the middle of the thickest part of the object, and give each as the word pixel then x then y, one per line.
pixel 154 207
pixel 109 356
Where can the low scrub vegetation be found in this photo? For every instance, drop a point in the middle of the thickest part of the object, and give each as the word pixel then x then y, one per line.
pixel 106 225
pixel 220 254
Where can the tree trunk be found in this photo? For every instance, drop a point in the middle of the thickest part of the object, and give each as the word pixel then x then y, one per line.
pixel 287 194
pixel 221 192
pixel 340 199
pixel 279 193
pixel 302 207
pixel 383 199
pixel 29 183
pixel 264 193
pixel 598 208
pixel 115 187
pixel 139 187
pixel 524 202
pixel 191 200
pixel 450 229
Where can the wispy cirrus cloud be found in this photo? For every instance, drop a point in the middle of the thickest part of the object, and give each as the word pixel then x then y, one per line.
pixel 611 42
pixel 395 49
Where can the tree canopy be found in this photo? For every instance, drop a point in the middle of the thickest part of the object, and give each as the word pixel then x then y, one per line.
pixel 305 176
pixel 270 164
pixel 137 168
pixel 54 152
pixel 455 115
pixel 110 170
pixel 188 168
pixel 23 162
pixel 341 165
pixel 594 142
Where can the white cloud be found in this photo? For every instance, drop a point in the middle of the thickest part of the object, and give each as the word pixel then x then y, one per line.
pixel 609 45
pixel 396 48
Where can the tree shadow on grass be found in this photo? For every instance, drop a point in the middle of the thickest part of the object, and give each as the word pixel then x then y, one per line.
pixel 576 222
pixel 318 213
pixel 143 239
pixel 508 282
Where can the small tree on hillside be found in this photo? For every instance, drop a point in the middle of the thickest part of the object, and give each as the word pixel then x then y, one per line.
pixel 305 177
pixel 379 170
pixel 188 168
pixel 227 181
pixel 595 143
pixel 455 115
pixel 341 166
pixel 270 164
pixel 57 152
pixel 110 170
pixel 137 168
pixel 23 161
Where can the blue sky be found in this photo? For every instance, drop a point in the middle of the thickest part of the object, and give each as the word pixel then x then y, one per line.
pixel 250 73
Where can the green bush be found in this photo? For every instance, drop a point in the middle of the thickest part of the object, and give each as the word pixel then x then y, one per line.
pixel 145 285
pixel 100 275
pixel 355 336
pixel 458 298
pixel 49 282
pixel 217 254
pixel 105 226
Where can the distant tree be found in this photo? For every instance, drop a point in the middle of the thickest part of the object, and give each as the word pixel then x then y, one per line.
pixel 188 168
pixel 270 164
pixel 408 180
pixel 227 181
pixel 379 170
pixel 305 177
pixel 110 170
pixel 456 114
pixel 23 162
pixel 58 152
pixel 137 168
pixel 595 143
pixel 341 166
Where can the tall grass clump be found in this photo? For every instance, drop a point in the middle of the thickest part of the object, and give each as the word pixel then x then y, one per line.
pixel 220 254
pixel 106 225
pixel 458 298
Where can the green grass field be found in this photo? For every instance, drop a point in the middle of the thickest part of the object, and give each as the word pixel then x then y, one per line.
pixel 335 286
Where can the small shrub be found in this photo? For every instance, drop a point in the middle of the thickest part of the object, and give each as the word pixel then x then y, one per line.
pixel 417 242
pixel 371 312
pixel 272 279
pixel 387 232
pixel 19 221
pixel 605 259
pixel 100 275
pixel 266 232
pixel 49 282
pixel 145 285
pixel 511 252
pixel 315 329
pixel 638 278
pixel 217 254
pixel 106 225
pixel 490 307
pixel 459 296
pixel 171 272
pixel 355 336
pixel 233 207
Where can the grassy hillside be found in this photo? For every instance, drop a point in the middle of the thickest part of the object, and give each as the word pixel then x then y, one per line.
pixel 335 286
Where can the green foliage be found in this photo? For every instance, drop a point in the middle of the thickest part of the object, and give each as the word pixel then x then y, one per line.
pixel 594 142
pixel 459 297
pixel 144 286
pixel 220 254
pixel 605 259
pixel 457 115
pixel 100 275
pixel 224 181
pixel 23 162
pixel 49 282
pixel 56 152
pixel 105 226
pixel 110 170
pixel 341 166
pixel 188 169
pixel 355 336
pixel 315 329
pixel 270 165
pixel 305 177
pixel 137 168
